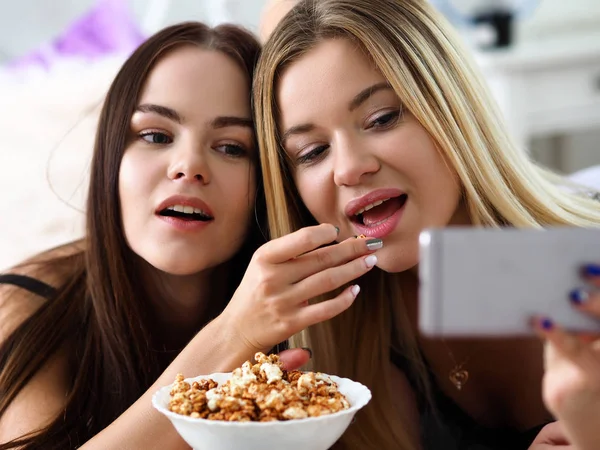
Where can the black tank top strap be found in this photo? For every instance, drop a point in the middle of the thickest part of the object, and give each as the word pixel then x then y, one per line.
pixel 28 283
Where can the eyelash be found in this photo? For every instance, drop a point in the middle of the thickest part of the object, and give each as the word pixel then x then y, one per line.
pixel 145 134
pixel 240 151
pixel 317 153
pixel 392 119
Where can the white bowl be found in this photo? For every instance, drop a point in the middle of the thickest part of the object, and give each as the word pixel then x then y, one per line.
pixel 314 433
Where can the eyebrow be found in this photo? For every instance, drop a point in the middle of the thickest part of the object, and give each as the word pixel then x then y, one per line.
pixel 358 100
pixel 365 94
pixel 218 122
pixel 231 121
pixel 164 111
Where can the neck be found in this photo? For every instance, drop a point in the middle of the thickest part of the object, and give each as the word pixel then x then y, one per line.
pixel 181 304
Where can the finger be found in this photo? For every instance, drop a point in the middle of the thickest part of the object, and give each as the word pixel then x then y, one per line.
pixel 297 243
pixel 553 434
pixel 586 300
pixel 294 358
pixel 328 309
pixel 566 344
pixel 333 278
pixel 591 273
pixel 332 256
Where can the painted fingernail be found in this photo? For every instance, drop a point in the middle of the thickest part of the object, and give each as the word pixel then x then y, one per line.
pixel 546 324
pixel 592 270
pixel 308 350
pixel 374 244
pixel 579 296
pixel 355 290
pixel 370 261
pixel 337 230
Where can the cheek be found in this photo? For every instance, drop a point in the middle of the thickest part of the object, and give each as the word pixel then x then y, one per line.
pixel 315 193
pixel 126 182
pixel 442 191
pixel 241 189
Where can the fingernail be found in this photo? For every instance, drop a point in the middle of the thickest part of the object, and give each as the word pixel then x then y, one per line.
pixel 592 270
pixel 546 324
pixel 579 296
pixel 355 290
pixel 308 350
pixel 337 230
pixel 370 261
pixel 374 244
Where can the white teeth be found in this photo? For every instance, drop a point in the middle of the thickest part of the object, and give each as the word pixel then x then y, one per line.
pixel 370 206
pixel 186 209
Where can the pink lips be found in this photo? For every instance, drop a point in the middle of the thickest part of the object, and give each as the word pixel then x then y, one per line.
pixel 384 227
pixel 380 194
pixel 184 200
pixel 181 224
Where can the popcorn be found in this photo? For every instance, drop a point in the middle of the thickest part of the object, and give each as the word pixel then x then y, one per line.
pixel 261 392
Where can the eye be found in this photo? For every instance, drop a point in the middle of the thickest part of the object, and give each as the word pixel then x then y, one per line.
pixel 313 155
pixel 385 120
pixel 156 137
pixel 233 150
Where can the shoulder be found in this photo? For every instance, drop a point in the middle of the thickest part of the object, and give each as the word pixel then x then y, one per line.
pixel 52 268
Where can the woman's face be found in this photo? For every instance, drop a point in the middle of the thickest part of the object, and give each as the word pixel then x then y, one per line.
pixel 187 182
pixel 360 161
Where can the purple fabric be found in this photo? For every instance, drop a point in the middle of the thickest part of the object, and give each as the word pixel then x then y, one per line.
pixel 108 28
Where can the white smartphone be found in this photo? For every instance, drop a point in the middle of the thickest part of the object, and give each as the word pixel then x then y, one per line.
pixel 490 282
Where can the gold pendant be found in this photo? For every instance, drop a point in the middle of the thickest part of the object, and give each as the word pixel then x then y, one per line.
pixel 459 377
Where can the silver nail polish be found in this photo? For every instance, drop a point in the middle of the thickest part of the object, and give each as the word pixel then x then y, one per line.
pixel 374 244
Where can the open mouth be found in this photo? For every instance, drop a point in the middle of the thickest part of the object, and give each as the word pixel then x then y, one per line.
pixel 186 213
pixel 379 211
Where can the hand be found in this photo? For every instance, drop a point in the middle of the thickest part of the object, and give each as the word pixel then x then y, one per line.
pixel 294 358
pixel 551 437
pixel 571 386
pixel 272 302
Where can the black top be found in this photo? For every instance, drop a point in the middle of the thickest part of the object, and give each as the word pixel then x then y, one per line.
pixel 31 284
pixel 450 428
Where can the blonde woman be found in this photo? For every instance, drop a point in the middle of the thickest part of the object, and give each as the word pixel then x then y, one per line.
pixel 371 117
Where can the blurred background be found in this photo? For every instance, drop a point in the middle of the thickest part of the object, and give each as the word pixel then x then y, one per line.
pixel 541 59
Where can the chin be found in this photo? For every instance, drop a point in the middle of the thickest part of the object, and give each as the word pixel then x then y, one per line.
pixel 180 267
pixel 395 261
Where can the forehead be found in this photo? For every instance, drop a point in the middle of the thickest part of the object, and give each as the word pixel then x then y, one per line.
pixel 199 78
pixel 329 74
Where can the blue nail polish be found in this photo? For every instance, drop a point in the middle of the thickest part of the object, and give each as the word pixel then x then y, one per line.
pixel 579 296
pixel 592 270
pixel 546 324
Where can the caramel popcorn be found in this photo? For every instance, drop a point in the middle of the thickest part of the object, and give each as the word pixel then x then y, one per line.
pixel 260 392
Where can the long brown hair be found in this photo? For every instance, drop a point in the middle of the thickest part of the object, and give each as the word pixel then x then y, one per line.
pixel 423 60
pixel 99 313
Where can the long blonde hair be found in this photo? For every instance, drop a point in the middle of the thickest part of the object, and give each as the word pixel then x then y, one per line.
pixel 422 58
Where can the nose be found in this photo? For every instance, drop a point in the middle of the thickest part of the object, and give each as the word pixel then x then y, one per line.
pixel 352 162
pixel 189 162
